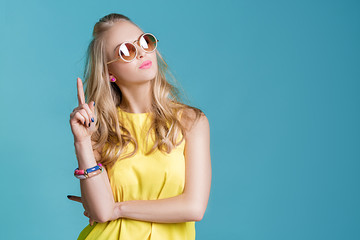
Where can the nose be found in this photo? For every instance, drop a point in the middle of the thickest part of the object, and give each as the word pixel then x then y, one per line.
pixel 141 52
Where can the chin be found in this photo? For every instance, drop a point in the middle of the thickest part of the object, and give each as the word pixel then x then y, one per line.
pixel 150 74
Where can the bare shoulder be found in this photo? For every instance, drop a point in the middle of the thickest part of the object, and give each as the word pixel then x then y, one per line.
pixel 194 121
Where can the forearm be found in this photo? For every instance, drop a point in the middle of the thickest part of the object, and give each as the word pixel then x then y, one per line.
pixel 169 210
pixel 96 192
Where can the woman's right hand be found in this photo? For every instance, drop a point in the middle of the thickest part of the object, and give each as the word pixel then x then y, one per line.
pixel 83 118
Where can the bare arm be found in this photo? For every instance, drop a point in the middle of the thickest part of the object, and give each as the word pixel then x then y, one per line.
pixel 192 203
pixel 96 193
pixel 169 210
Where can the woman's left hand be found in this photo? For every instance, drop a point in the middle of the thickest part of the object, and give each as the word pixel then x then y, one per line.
pixel 78 199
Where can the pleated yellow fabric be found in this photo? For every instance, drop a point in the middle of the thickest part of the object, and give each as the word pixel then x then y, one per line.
pixel 156 176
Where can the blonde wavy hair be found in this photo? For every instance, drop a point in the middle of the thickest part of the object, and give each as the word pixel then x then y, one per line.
pixel 166 103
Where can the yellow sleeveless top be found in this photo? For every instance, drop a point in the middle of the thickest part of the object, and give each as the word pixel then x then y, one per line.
pixel 156 176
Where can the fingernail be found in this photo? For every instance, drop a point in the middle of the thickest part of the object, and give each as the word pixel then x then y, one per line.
pixel 89 124
pixel 84 122
pixel 94 103
pixel 92 119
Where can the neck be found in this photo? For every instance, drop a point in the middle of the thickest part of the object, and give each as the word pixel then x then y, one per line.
pixel 136 98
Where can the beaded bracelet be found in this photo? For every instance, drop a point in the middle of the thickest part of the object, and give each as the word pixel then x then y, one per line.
pixel 83 174
pixel 89 175
pixel 78 172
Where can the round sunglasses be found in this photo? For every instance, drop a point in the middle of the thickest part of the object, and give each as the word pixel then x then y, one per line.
pixel 128 51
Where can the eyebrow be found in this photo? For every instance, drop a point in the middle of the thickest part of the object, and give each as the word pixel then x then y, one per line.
pixel 127 41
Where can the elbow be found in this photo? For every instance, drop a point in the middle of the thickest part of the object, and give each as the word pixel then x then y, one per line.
pixel 113 213
pixel 106 217
pixel 94 216
pixel 199 216
pixel 197 213
pixel 103 216
pixel 196 209
pixel 102 219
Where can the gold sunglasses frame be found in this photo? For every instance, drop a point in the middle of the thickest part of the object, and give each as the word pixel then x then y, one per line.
pixel 136 50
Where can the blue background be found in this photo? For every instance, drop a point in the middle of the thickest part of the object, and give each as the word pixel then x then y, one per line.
pixel 278 81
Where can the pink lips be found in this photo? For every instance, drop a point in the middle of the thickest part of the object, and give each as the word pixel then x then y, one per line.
pixel 146 64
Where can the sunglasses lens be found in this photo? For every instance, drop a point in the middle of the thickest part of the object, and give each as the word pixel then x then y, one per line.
pixel 127 51
pixel 148 42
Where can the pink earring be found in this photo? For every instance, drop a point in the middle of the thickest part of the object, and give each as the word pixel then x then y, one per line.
pixel 113 80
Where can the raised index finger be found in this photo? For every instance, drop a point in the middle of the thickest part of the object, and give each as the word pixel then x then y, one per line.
pixel 81 96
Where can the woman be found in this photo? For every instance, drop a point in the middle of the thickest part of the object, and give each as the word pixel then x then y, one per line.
pixel 149 154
